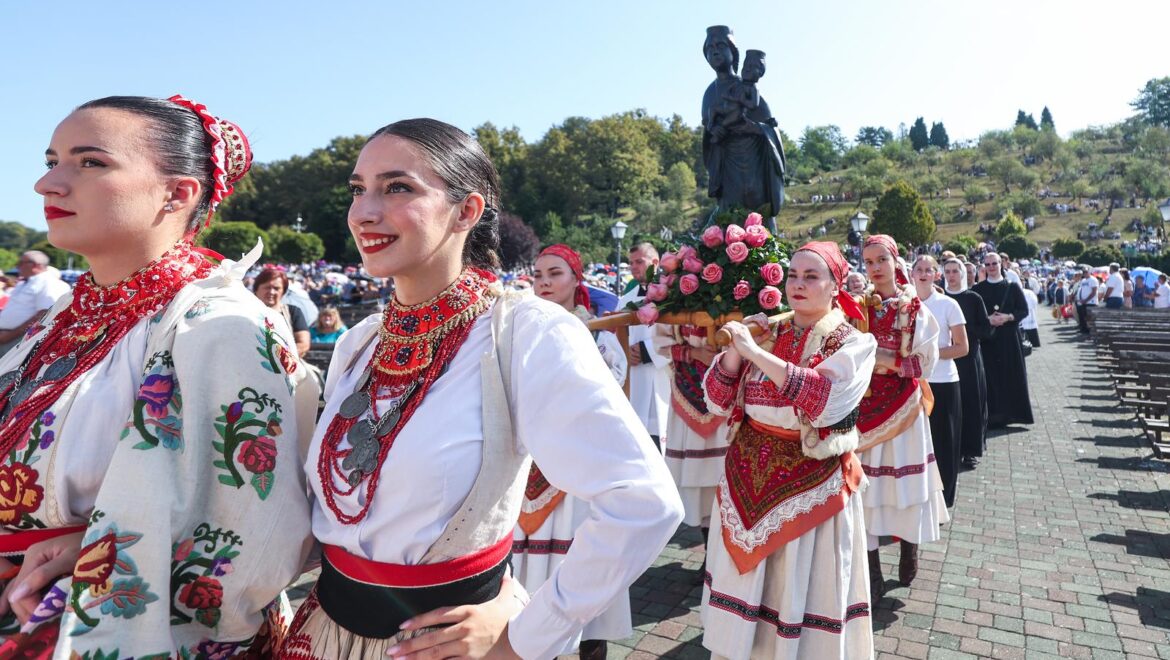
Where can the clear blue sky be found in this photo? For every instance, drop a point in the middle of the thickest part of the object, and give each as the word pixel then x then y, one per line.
pixel 295 74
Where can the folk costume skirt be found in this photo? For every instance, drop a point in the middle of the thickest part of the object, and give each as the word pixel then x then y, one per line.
pixel 696 463
pixel 905 493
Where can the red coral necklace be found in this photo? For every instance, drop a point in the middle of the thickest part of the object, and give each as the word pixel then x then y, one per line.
pixel 415 346
pixel 82 334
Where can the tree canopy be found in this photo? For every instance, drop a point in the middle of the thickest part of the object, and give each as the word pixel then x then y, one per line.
pixel 902 214
pixel 1153 102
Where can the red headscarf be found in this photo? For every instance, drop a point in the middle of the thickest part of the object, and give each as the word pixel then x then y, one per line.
pixel 570 256
pixel 890 244
pixel 839 269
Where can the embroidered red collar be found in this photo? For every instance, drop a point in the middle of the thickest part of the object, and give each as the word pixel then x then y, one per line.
pixel 410 333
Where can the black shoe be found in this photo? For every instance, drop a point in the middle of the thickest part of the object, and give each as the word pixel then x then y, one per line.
pixel 877 583
pixel 908 563
pixel 593 649
pixel 970 462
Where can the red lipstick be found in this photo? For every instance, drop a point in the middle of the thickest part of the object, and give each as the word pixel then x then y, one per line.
pixel 54 213
pixel 370 243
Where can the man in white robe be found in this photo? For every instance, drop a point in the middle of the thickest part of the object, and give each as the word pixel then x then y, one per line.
pixel 649 371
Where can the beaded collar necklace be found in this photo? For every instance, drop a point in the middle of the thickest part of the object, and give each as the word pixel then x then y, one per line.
pixel 416 344
pixel 82 334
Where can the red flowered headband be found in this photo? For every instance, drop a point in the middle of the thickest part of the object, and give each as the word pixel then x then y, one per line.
pixel 839 269
pixel 571 257
pixel 231 155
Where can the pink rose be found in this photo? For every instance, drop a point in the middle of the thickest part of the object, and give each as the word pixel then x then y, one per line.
pixel 772 273
pixel 688 284
pixel 753 220
pixel 713 236
pixel 656 292
pixel 668 280
pixel 769 297
pixel 692 264
pixel 734 233
pixel 737 252
pixel 712 273
pixel 742 290
pixel 647 314
pixel 669 262
pixel 756 235
pixel 687 251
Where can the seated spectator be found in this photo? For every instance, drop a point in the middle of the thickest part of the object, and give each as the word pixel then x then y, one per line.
pixel 328 328
pixel 270 286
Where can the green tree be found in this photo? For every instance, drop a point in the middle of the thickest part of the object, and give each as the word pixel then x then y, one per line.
pixel 1046 146
pixel 961 244
pixel 1067 248
pixel 1020 203
pixel 919 137
pixel 1010 225
pixel 1046 120
pixel 874 136
pixel 939 137
pixel 974 193
pixel 1153 102
pixel 1006 169
pixel 902 214
pixel 1100 255
pixel 1019 247
pixel 1026 119
pixel 15 236
pixel 59 258
pixel 860 155
pixel 823 146
pixel 233 239
pixel 680 182
pixel 287 246
pixel 8 259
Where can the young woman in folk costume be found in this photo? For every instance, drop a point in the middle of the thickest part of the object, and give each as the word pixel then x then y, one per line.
pixel 419 465
pixel 549 518
pixel 149 420
pixel 785 564
pixel 696 438
pixel 905 497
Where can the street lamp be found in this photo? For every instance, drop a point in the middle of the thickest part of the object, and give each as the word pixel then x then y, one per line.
pixel 618 231
pixel 858 224
pixel 299 225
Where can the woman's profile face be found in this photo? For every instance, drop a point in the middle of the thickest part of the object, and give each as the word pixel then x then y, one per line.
pixel 400 216
pixel 103 189
pixel 809 287
pixel 554 280
pixel 879 265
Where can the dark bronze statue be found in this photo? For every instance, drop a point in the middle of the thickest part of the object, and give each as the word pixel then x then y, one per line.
pixel 741 148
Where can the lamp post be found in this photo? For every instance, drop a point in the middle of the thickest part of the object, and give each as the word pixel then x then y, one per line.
pixel 299 225
pixel 858 223
pixel 618 231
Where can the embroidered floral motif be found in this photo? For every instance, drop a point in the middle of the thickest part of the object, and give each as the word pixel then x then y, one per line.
pixel 199 561
pixel 106 577
pixel 158 407
pixel 248 429
pixel 200 308
pixel 20 495
pixel 276 356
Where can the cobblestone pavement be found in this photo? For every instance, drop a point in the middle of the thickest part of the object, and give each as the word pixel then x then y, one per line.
pixel 1058 547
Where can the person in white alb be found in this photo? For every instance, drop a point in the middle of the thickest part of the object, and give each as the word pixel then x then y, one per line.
pixel 433 408
pixel 40 287
pixel 649 370
pixel 1162 294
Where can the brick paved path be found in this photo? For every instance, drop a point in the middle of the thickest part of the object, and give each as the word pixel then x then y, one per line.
pixel 1059 547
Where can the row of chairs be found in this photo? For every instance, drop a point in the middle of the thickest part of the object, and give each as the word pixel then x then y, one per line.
pixel 1133 345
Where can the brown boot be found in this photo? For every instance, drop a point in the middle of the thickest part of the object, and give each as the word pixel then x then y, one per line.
pixel 908 563
pixel 877 583
pixel 593 649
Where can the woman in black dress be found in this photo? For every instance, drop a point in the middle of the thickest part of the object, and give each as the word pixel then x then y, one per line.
pixel 1008 401
pixel 971 375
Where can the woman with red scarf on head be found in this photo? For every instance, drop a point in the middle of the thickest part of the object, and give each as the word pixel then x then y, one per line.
pixel 905 494
pixel 148 423
pixel 419 465
pixel 548 517
pixel 785 577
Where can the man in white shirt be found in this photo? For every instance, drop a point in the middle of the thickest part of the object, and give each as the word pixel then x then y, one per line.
pixel 1085 297
pixel 1114 287
pixel 38 289
pixel 649 371
pixel 1162 294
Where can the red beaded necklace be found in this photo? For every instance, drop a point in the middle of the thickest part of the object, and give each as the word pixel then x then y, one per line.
pixel 82 334
pixel 416 344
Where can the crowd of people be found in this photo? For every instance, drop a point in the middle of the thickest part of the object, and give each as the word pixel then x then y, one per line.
pixel 476 483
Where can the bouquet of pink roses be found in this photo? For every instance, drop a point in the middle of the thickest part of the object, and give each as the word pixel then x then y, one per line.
pixel 729 267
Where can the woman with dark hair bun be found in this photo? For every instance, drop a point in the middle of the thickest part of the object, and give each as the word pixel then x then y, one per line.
pixel 153 500
pixel 420 461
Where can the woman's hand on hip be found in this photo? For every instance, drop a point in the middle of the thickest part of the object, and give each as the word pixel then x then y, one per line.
pixel 470 631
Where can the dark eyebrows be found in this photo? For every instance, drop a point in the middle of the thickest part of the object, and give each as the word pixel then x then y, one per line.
pixel 78 150
pixel 383 176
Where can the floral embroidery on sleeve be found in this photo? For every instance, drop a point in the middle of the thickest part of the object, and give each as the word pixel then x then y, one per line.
pixel 275 355
pixel 199 562
pixel 106 577
pixel 158 406
pixel 248 428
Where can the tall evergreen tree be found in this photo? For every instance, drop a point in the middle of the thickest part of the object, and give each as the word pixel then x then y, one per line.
pixel 1026 119
pixel 939 137
pixel 919 137
pixel 1046 120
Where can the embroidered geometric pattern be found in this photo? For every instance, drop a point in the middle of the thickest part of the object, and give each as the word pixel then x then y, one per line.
pixel 542 547
pixel 897 473
pixel 784 629
pixel 714 452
